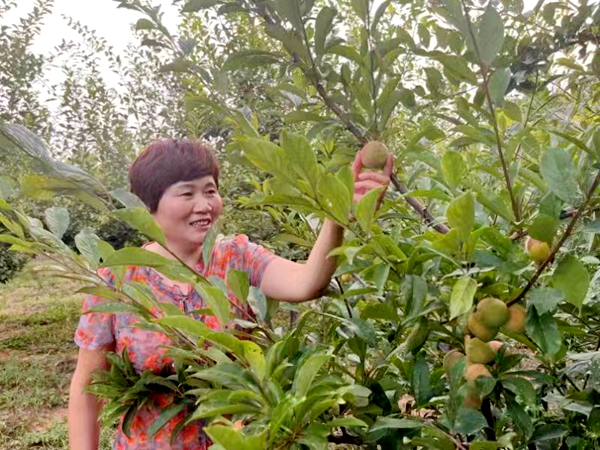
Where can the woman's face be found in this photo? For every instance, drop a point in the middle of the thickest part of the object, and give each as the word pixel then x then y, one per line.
pixel 187 210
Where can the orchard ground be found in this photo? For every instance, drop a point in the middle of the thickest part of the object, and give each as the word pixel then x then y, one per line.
pixel 38 316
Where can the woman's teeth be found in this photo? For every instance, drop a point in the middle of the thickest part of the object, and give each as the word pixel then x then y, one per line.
pixel 200 223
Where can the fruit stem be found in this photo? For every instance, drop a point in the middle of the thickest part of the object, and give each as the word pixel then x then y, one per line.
pixel 562 240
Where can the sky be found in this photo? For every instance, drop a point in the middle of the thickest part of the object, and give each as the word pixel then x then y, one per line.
pixel 111 23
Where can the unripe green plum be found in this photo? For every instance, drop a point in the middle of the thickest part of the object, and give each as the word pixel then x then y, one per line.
pixel 374 155
pixel 493 312
pixel 475 371
pixel 479 351
pixel 472 400
pixel 346 278
pixel 479 329
pixel 538 251
pixel 451 359
pixel 516 319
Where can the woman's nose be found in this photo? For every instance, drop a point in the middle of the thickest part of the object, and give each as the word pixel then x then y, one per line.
pixel 202 205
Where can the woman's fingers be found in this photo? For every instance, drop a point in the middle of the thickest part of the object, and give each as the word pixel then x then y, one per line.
pixel 369 180
pixel 366 185
pixel 374 176
pixel 357 164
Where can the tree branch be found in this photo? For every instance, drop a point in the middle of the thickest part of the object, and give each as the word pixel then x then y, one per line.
pixel 484 74
pixel 562 240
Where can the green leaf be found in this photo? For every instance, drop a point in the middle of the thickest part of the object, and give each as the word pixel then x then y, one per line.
pixel 27 141
pixel 250 59
pixel 127 199
pixel 544 228
pixel 513 111
pixel 361 8
pixel 414 293
pixel 237 281
pixel 197 5
pixel 323 26
pixel 266 156
pixel 498 84
pixel 362 329
pixel 573 140
pixel 231 439
pixel 144 24
pixel 420 380
pixel 179 65
pixel 333 196
pixel 520 418
pixel 208 244
pixel 186 324
pixel 387 423
pixel 457 67
pixel 490 36
pixel 543 330
pixel 366 207
pixel 57 220
pixel 13 227
pixel 217 301
pixel 468 421
pixel 299 154
pixel 255 357
pixel 228 341
pixel 131 256
pixel 546 299
pixel 347 421
pixel 573 279
pixel 461 298
pixel 115 308
pixel 302 116
pixel 453 168
pixel 258 302
pixel 495 203
pixel 559 173
pixel 307 372
pixel 382 311
pixel 521 387
pixel 165 416
pixel 548 432
pixel 87 244
pixel 461 215
pixel 141 219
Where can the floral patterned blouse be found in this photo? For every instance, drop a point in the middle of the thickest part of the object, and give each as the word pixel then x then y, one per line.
pixel 146 349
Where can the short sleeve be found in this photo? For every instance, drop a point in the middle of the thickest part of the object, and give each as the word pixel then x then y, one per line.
pixel 95 330
pixel 249 257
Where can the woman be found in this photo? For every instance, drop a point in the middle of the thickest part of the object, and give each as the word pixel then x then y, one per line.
pixel 178 182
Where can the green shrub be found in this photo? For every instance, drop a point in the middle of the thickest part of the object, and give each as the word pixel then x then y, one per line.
pixel 11 263
pixel 118 234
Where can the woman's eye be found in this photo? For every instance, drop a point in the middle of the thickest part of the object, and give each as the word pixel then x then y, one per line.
pixel 186 194
pixel 211 192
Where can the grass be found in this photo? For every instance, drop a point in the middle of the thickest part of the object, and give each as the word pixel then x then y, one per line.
pixel 38 318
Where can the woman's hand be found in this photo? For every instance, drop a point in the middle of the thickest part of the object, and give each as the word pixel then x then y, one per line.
pixel 364 182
